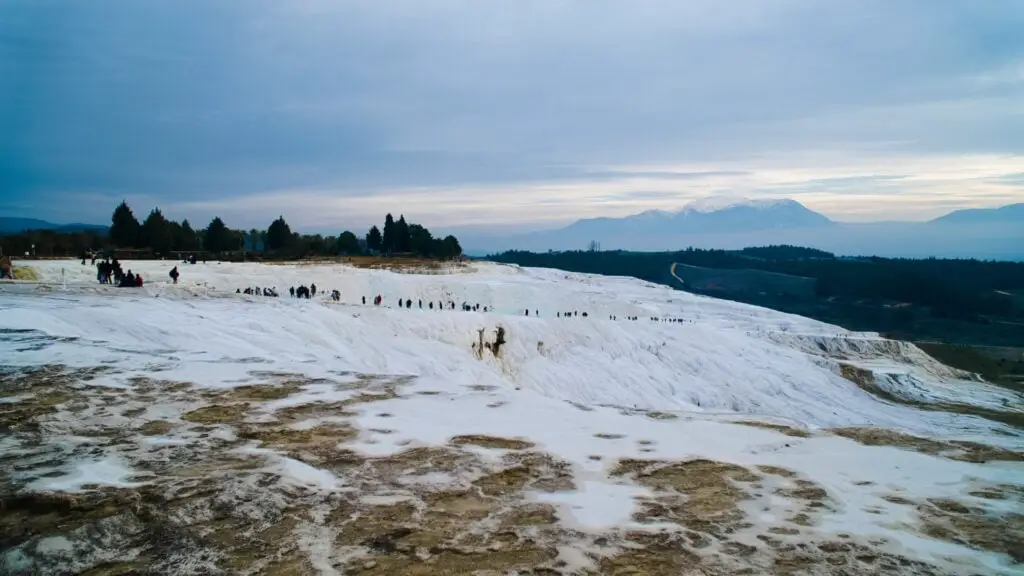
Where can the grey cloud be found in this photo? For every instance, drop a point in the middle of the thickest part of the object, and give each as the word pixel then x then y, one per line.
pixel 638 195
pixel 844 185
pixel 184 101
pixel 661 174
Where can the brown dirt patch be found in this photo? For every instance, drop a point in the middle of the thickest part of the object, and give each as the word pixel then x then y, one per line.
pixel 894 499
pixel 655 415
pixel 374 523
pixel 217 414
pixel 491 442
pixel 954 450
pixel 702 495
pixel 260 392
pixel 517 556
pixel 49 513
pixel 607 436
pixel 527 471
pixel 145 385
pixel 312 445
pixel 777 471
pixel 650 555
pixel 530 515
pixel 311 411
pixel 804 490
pixel 787 430
pixel 45 391
pixel 1000 492
pixel 954 522
pixel 365 398
pixel 156 428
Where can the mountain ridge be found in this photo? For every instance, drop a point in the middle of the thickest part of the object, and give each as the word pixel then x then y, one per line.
pixel 1008 213
pixel 14 225
pixel 733 223
pixel 715 214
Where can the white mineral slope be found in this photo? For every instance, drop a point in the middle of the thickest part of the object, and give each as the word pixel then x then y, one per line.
pixel 723 358
pixel 727 361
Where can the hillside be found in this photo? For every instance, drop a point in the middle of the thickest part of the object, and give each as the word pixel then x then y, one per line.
pixel 1012 213
pixel 962 301
pixel 378 440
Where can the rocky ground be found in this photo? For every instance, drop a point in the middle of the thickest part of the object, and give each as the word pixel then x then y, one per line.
pixel 262 478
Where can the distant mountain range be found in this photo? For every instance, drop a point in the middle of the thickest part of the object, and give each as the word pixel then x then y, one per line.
pixel 715 215
pixel 732 223
pixel 1010 213
pixel 16 225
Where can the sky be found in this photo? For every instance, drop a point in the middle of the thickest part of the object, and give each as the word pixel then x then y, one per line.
pixel 486 115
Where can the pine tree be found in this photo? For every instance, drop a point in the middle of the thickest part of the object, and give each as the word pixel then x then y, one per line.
pixel 402 235
pixel 279 235
pixel 124 227
pixel 373 239
pixel 186 238
pixel 388 243
pixel 155 233
pixel 218 237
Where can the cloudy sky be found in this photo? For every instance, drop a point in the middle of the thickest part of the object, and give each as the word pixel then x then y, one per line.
pixel 506 114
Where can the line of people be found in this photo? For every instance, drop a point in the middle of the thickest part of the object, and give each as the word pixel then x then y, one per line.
pixel 257 291
pixel 378 300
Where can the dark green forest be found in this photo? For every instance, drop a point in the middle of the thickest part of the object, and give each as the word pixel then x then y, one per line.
pixel 156 236
pixel 925 298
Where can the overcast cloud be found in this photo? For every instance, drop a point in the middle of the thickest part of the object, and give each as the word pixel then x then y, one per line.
pixel 519 114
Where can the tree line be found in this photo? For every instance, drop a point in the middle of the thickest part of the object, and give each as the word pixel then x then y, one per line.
pixel 949 288
pixel 163 237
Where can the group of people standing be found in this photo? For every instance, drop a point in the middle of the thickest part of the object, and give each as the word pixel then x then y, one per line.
pixel 110 272
pixel 306 292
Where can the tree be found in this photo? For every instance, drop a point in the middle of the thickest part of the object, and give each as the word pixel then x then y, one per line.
pixel 255 239
pixel 402 244
pixel 124 227
pixel 218 237
pixel 373 239
pixel 388 243
pixel 155 233
pixel 420 240
pixel 348 243
pixel 452 249
pixel 279 235
pixel 185 238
